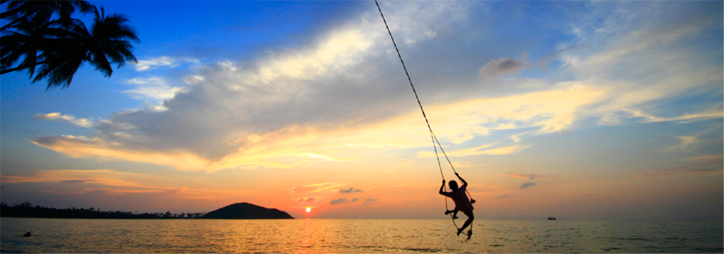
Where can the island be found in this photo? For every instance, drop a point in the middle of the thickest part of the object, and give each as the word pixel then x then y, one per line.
pixel 246 211
pixel 234 211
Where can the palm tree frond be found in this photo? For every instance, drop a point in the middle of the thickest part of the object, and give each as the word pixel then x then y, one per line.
pixel 54 49
pixel 101 63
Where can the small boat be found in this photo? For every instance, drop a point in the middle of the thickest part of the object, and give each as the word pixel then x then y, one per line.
pixel 551 218
pixel 27 234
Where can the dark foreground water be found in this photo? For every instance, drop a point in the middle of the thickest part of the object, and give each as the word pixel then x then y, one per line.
pixel 327 235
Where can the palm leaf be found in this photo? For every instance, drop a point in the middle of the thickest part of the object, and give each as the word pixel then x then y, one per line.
pixel 55 49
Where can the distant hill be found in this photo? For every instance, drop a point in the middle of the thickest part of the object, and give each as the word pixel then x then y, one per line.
pixel 246 211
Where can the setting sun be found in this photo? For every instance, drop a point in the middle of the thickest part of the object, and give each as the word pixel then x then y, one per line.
pixel 309 209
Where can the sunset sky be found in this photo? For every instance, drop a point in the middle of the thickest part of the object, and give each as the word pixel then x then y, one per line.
pixel 579 110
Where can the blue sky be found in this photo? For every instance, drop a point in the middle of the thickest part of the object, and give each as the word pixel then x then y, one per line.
pixel 591 110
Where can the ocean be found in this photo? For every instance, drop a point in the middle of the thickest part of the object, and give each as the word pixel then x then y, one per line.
pixel 356 236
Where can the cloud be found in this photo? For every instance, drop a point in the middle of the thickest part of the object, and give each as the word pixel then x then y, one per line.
pixel 689 143
pixel 100 183
pixel 105 177
pixel 323 186
pixel 480 150
pixel 350 190
pixel 517 137
pixel 370 200
pixel 341 96
pixel 227 106
pixel 306 200
pixel 338 201
pixel 710 158
pixel 81 147
pixel 527 176
pixel 686 143
pixel 315 187
pixel 526 185
pixel 163 61
pixel 151 88
pixel 318 156
pixel 503 66
pixel 711 113
pixel 354 200
pixel 75 181
pixel 503 196
pixel 700 164
pixel 82 122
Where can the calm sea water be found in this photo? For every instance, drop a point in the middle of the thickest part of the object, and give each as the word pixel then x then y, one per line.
pixel 327 235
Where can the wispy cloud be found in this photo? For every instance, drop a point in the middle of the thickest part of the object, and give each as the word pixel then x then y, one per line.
pixel 319 156
pixel 480 150
pixel 338 201
pixel 315 187
pixel 75 181
pixel 101 183
pixel 56 116
pixel 80 146
pixel 310 199
pixel 152 87
pixel 689 143
pixel 527 176
pixel 105 177
pixel 711 113
pixel 163 61
pixel 503 66
pixel 526 185
pixel 701 164
pixel 686 142
pixel 350 190
pixel 711 158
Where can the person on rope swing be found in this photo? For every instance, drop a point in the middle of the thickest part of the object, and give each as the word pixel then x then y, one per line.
pixel 462 203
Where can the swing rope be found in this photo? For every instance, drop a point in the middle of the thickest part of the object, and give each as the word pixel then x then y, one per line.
pixel 432 134
pixel 435 141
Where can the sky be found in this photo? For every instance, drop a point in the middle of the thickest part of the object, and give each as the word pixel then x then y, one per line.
pixel 578 110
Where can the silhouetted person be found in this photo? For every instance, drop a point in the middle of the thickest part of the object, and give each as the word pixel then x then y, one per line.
pixel 462 203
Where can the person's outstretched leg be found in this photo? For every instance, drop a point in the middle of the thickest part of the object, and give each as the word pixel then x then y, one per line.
pixel 454 212
pixel 471 217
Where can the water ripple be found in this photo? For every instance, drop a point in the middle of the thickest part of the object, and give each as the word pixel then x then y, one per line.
pixel 349 236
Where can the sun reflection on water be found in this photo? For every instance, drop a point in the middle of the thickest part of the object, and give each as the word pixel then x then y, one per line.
pixel 305 237
pixel 354 236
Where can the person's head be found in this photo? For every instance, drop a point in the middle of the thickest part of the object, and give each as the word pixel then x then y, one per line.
pixel 453 185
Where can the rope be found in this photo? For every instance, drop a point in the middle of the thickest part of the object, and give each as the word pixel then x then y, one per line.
pixel 435 141
pixel 432 135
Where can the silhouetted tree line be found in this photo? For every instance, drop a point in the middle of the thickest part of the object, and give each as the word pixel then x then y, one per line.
pixel 26 209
